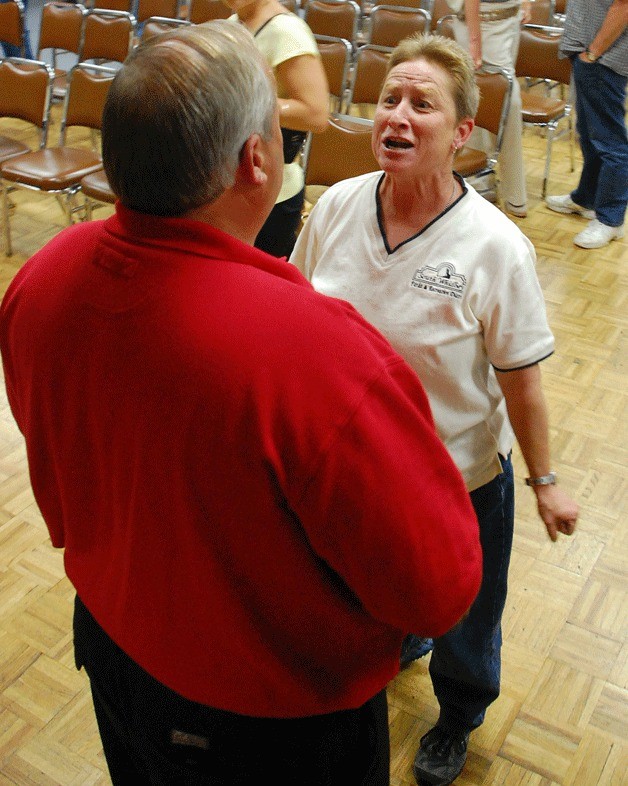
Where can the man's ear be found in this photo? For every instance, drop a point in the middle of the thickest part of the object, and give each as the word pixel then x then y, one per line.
pixel 252 166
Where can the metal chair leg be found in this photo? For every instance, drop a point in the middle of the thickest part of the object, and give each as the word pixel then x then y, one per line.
pixel 8 250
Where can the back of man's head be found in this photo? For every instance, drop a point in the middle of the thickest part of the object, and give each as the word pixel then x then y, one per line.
pixel 178 114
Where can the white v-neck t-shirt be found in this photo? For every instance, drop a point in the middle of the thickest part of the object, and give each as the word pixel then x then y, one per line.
pixel 457 300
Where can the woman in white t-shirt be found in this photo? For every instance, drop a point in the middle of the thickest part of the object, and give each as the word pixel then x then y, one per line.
pixel 288 45
pixel 451 282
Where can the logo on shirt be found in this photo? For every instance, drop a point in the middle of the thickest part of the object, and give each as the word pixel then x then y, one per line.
pixel 442 280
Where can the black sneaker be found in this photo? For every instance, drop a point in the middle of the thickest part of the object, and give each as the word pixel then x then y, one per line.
pixel 413 648
pixel 441 756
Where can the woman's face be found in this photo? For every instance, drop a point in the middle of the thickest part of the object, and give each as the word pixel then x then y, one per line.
pixel 415 122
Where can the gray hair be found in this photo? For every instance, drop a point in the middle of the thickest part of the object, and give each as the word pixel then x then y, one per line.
pixel 178 114
pixel 452 58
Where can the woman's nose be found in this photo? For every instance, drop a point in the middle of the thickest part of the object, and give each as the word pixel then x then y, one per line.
pixel 398 115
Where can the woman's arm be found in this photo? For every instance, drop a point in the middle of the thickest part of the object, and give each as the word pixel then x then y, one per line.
pixel 527 412
pixel 472 18
pixel 304 80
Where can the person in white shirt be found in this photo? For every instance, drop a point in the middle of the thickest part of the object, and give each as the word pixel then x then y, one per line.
pixel 451 282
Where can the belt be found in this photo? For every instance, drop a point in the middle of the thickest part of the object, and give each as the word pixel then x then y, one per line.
pixel 493 16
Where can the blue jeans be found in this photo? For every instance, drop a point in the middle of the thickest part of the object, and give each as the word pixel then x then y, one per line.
pixel 466 662
pixel 601 125
pixel 10 50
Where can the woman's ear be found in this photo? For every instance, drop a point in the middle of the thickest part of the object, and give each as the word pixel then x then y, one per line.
pixel 463 132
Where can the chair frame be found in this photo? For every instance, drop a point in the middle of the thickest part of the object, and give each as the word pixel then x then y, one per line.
pixel 334 50
pixel 12 23
pixel 485 118
pixel 93 198
pixel 69 40
pixel 333 8
pixel 326 162
pixel 88 116
pixel 104 54
pixel 23 108
pixel 147 9
pixel 355 86
pixel 540 66
pixel 198 17
pixel 394 14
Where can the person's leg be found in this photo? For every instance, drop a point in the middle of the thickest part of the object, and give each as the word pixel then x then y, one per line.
pixel 466 662
pixel 279 233
pixel 500 46
pixel 600 106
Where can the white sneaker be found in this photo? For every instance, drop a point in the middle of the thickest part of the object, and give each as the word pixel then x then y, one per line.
pixel 597 235
pixel 565 204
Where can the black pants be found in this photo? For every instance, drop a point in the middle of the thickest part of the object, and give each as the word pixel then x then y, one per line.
pixel 279 233
pixel 151 735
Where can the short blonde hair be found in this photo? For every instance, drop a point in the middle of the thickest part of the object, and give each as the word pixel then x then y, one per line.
pixel 452 58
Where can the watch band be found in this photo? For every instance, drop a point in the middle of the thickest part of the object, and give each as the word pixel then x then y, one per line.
pixel 544 480
pixel 590 56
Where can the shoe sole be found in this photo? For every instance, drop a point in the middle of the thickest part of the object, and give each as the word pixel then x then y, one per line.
pixel 519 212
pixel 599 245
pixel 566 211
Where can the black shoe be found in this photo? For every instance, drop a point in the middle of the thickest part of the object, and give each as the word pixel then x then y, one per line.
pixel 413 648
pixel 441 756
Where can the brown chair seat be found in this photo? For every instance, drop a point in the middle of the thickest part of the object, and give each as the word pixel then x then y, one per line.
pixel 11 147
pixel 96 186
pixel 540 110
pixel 470 160
pixel 52 169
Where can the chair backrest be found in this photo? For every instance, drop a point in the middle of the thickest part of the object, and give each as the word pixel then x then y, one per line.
pixel 336 59
pixel 371 63
pixel 343 150
pixel 200 11
pixel 538 54
pixel 495 91
pixel 389 24
pixel 445 26
pixel 84 102
pixel 439 8
pixel 12 23
pixel 159 24
pixel 415 4
pixel 107 35
pixel 542 12
pixel 61 27
pixel 337 18
pixel 26 92
pixel 165 8
pixel 113 5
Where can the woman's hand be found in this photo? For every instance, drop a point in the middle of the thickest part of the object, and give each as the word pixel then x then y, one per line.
pixel 558 511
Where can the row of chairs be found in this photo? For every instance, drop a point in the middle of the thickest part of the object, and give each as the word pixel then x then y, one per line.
pixel 368 72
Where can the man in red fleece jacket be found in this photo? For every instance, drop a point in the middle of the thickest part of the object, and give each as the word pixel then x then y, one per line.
pixel 230 460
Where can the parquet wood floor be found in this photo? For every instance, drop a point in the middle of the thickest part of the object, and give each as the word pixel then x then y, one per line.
pixel 562 718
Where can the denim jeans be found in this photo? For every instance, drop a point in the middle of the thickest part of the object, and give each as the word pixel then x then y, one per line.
pixel 152 736
pixel 466 662
pixel 601 125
